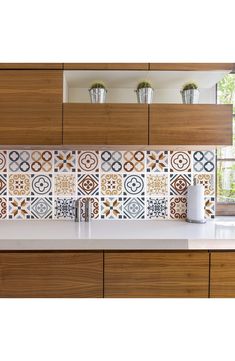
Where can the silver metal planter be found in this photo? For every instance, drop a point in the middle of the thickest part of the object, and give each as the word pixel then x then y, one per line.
pixel 144 95
pixel 190 96
pixel 98 95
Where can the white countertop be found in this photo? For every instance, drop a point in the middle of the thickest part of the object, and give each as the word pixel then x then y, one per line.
pixel 117 235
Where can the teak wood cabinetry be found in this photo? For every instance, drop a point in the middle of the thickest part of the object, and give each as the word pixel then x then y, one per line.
pixel 31 106
pixel 184 124
pixel 51 274
pixel 111 124
pixel 117 274
pixel 222 283
pixel 156 274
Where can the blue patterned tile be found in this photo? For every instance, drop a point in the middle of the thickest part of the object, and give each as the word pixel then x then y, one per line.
pixel 157 208
pixel 133 208
pixel 41 208
pixel 64 208
pixel 203 161
pixel 19 161
pixel 134 184
pixel 41 185
pixel 111 161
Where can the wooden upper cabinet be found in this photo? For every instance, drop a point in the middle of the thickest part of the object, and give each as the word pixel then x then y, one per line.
pixel 222 282
pixel 31 107
pixel 186 124
pixel 31 66
pixel 112 124
pixel 106 66
pixel 191 66
pixel 156 274
pixel 31 86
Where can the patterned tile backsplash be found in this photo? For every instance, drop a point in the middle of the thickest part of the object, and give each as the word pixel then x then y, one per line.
pixel 121 184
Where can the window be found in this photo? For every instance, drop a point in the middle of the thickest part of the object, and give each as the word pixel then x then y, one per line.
pixel 226 155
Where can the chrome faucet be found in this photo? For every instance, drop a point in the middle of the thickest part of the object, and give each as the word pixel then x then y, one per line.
pixel 83 210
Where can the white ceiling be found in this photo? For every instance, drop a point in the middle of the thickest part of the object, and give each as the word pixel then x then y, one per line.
pixel 130 79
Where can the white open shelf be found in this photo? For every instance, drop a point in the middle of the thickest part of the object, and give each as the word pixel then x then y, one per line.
pixel 122 83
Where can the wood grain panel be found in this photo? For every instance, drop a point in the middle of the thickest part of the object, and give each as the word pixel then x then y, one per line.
pixel 30 123
pixel 156 274
pixel 106 66
pixel 191 66
pixel 31 86
pixel 222 282
pixel 186 124
pixel 105 124
pixel 51 274
pixel 35 66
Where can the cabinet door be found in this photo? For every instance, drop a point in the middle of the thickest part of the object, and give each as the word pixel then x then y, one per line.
pixel 222 282
pixel 190 124
pixel 31 106
pixel 156 274
pixel 51 274
pixel 106 124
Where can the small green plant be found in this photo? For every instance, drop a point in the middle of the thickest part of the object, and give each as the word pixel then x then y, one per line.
pixel 190 86
pixel 98 85
pixel 144 84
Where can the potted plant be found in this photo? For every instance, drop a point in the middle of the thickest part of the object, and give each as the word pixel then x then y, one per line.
pixel 98 92
pixel 190 93
pixel 144 92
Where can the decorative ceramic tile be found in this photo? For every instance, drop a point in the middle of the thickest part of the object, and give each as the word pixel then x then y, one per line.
pixel 3 161
pixel 41 184
pixel 3 184
pixel 19 184
pixel 19 161
pixel 41 208
pixel 19 208
pixel 134 161
pixel 64 208
pixel 157 185
pixel 157 161
pixel 3 208
pixel 88 184
pixel 204 161
pixel 111 161
pixel 207 180
pixel 64 184
pixel 94 207
pixel 133 208
pixel 179 184
pixel 42 161
pixel 111 208
pixel 65 161
pixel 180 161
pixel 111 184
pixel 133 185
pixel 88 161
pixel 178 207
pixel 157 208
pixel 210 207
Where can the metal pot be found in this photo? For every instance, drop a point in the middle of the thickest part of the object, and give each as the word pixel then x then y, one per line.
pixel 144 95
pixel 190 96
pixel 98 95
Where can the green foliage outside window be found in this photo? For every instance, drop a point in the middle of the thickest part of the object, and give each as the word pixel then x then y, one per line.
pixel 226 169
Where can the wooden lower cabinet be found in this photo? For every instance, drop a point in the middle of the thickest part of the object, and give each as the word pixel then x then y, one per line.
pixel 51 274
pixel 156 274
pixel 222 274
